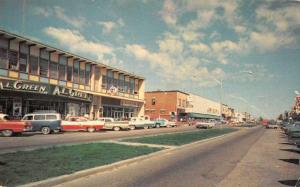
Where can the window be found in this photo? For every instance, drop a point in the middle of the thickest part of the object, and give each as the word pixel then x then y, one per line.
pixel 153 101
pixel 121 83
pixel 33 64
pixel 82 74
pixel 23 57
pixel 179 102
pixel 162 111
pixel 62 68
pixel 97 77
pixel 39 117
pixel 70 72
pixel 87 74
pixel 50 117
pixel 104 82
pixel 136 87
pixel 44 63
pixel 13 60
pixel 53 70
pixel 76 72
pixel 110 79
pixel 28 118
pixel 131 86
pixel 3 53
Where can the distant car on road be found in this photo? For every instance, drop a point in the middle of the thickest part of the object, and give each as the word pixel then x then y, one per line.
pixel 110 123
pixel 78 123
pixel 164 123
pixel 45 122
pixel 205 124
pixel 141 122
pixel 272 126
pixel 10 127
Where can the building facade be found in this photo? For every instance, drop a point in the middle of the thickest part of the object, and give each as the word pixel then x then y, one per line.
pixel 202 108
pixel 165 104
pixel 34 76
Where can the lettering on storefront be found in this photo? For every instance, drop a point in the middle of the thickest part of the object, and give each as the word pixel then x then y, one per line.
pixel 43 89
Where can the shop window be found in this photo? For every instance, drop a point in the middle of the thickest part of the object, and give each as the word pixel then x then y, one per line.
pixel 33 64
pixel 3 58
pixel 62 68
pixel 44 67
pixel 82 74
pixel 13 60
pixel 53 70
pixel 70 72
pixel 76 72
pixel 87 74
pixel 153 101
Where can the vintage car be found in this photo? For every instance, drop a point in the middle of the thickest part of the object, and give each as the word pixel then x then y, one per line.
pixel 141 122
pixel 10 127
pixel 78 123
pixel 164 123
pixel 205 124
pixel 111 124
pixel 44 121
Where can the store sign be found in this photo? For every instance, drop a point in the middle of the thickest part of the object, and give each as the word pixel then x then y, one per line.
pixel 17 85
pixel 129 103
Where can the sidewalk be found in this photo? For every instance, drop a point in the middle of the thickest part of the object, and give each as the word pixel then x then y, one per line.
pixel 270 162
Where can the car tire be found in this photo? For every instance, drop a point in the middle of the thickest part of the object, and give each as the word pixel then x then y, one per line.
pixel 45 130
pixel 157 125
pixel 131 127
pixel 91 129
pixel 116 128
pixel 7 133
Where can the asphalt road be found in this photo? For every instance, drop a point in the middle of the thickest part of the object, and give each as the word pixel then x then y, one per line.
pixel 204 164
pixel 34 140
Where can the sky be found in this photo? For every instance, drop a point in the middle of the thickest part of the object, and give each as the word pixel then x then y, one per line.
pixel 252 47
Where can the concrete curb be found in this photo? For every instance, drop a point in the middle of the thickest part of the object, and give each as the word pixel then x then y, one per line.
pixel 83 173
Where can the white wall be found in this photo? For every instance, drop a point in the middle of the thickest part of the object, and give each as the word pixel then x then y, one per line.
pixel 202 105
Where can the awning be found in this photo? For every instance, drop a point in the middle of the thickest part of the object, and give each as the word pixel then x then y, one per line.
pixel 202 116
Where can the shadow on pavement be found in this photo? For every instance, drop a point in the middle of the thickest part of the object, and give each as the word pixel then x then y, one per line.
pixel 291 150
pixel 286 143
pixel 288 182
pixel 292 160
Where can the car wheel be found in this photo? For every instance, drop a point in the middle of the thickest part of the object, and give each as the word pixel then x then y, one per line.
pixel 45 130
pixel 146 127
pixel 131 127
pixel 157 125
pixel 116 128
pixel 91 129
pixel 7 133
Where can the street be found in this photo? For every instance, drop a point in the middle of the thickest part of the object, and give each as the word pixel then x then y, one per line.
pixel 31 141
pixel 208 164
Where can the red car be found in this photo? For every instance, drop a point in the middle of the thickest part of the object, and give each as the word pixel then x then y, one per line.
pixel 9 127
pixel 81 124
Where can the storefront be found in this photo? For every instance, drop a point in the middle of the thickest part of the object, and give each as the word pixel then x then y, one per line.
pixel 120 109
pixel 21 97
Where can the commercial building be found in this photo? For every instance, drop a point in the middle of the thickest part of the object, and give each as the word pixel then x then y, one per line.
pixel 35 76
pixel 202 108
pixel 165 104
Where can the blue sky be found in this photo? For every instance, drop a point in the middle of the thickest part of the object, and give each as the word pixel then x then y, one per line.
pixel 179 44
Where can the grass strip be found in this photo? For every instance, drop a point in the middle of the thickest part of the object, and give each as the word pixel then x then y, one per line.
pixel 29 166
pixel 181 138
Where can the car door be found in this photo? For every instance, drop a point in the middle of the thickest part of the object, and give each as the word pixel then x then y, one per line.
pixel 35 126
pixel 39 121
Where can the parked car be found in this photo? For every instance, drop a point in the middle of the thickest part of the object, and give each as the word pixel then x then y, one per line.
pixel 294 130
pixel 141 122
pixel 45 122
pixel 164 123
pixel 10 127
pixel 111 124
pixel 205 124
pixel 272 126
pixel 78 123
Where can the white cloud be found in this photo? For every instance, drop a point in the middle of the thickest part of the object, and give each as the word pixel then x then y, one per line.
pixel 168 12
pixel 77 22
pixel 42 11
pixel 77 43
pixel 109 26
pixel 170 45
pixel 240 29
pixel 200 47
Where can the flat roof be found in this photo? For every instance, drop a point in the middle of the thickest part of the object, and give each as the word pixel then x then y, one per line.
pixel 160 91
pixel 65 53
